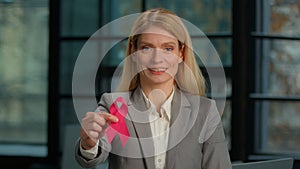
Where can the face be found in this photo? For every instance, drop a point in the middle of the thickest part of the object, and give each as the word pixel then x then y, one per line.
pixel 158 55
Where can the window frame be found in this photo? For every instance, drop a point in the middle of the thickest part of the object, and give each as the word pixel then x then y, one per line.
pixel 52 158
pixel 241 72
pixel 245 122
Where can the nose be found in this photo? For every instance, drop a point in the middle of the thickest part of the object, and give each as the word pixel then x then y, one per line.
pixel 157 56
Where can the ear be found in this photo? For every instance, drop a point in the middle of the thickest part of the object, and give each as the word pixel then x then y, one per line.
pixel 180 59
pixel 181 52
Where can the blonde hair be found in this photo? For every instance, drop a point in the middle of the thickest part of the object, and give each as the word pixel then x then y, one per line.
pixel 189 77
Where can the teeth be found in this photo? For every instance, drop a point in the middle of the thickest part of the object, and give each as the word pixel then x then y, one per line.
pixel 159 69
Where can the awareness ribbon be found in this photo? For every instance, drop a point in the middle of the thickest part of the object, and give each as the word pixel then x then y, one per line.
pixel 119 109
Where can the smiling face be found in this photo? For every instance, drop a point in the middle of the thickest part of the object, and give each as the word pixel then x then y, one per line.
pixel 158 55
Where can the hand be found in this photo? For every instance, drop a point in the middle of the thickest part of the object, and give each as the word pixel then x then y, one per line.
pixel 93 127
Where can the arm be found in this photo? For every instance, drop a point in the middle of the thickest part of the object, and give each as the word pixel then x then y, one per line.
pixel 215 151
pixel 103 150
pixel 93 147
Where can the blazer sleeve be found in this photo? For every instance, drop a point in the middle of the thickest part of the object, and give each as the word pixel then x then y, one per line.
pixel 101 156
pixel 215 150
pixel 103 148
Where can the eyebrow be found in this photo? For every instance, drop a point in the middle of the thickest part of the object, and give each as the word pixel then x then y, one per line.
pixel 164 44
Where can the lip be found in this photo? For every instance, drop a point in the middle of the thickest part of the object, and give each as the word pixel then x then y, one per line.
pixel 157 71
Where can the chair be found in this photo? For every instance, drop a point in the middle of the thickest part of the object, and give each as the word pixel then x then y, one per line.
pixel 285 163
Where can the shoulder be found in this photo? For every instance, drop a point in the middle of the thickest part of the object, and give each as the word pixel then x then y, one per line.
pixel 203 106
pixel 115 95
pixel 109 98
pixel 196 100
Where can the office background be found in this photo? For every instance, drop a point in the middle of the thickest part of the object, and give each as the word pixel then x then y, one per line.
pixel 257 40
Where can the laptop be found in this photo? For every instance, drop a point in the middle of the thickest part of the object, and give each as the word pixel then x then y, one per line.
pixel 285 163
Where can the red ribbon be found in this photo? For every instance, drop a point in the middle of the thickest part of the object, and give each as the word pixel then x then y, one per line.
pixel 119 109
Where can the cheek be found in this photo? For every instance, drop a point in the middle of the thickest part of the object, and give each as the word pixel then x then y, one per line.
pixel 173 68
pixel 142 61
pixel 173 61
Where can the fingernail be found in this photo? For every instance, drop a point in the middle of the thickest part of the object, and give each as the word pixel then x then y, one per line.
pixel 116 119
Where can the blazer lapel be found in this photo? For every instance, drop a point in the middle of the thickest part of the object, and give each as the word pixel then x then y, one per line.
pixel 179 125
pixel 139 115
pixel 181 114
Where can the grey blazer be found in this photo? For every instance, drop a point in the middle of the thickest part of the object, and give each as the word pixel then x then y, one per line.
pixel 196 138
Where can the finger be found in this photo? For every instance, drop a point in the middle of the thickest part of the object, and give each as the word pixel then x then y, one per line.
pixel 94 126
pixel 87 142
pixel 89 135
pixel 92 117
pixel 83 134
pixel 109 117
pixel 94 135
pixel 93 130
pixel 89 117
pixel 100 120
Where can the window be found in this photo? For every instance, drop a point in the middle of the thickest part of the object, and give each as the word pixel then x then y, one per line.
pixel 23 77
pixel 79 20
pixel 276 89
pixel 257 41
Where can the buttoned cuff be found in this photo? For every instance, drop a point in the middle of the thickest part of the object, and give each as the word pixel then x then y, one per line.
pixel 91 153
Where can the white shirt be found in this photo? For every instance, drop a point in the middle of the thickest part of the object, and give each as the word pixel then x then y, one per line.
pixel 159 123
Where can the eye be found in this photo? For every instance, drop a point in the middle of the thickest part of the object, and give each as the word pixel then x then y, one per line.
pixel 169 49
pixel 146 49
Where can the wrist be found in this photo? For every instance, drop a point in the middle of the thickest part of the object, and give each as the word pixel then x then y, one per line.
pixel 87 145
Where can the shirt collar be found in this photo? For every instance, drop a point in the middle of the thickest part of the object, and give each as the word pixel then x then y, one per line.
pixel 166 106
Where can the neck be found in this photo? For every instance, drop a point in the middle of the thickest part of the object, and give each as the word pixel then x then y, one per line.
pixel 157 94
pixel 166 89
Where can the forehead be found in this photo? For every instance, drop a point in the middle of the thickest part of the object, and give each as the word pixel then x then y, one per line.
pixel 157 34
pixel 158 31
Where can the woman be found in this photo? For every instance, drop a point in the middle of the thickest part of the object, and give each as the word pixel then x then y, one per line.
pixel 170 123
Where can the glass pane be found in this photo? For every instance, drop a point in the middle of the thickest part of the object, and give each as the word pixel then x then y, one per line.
pixel 83 18
pixel 116 54
pixel 279 126
pixel 223 47
pixel 23 71
pixel 113 9
pixel 211 16
pixel 284 17
pixel 67 112
pixel 279 73
pixel 67 116
pixel 79 18
pixel 69 53
pixel 68 56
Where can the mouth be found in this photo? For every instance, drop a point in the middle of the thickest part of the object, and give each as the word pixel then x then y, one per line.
pixel 157 70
